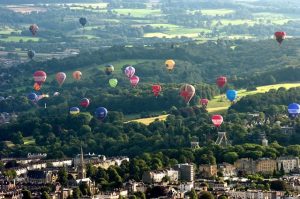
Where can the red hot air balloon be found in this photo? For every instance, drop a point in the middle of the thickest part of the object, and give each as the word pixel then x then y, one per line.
pixel 60 78
pixel 85 102
pixel 204 102
pixel 134 80
pixel 156 89
pixel 221 81
pixel 280 36
pixel 187 91
pixel 217 120
pixel 39 78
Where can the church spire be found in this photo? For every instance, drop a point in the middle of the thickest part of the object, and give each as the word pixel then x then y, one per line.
pixel 81 166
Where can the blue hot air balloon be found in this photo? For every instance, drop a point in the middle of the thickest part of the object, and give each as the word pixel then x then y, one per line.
pixel 294 110
pixel 231 95
pixel 32 97
pixel 74 110
pixel 101 113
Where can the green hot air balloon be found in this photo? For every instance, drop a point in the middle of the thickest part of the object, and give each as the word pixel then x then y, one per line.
pixel 113 82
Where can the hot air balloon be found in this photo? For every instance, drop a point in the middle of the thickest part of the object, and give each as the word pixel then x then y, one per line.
pixel 294 110
pixel 109 69
pixel 60 78
pixel 231 95
pixel 187 91
pixel 39 97
pixel 280 36
pixel 82 21
pixel 134 80
pixel 204 102
pixel 129 71
pixel 156 89
pixel 217 120
pixel 170 64
pixel 77 75
pixel 221 81
pixel 113 82
pixel 101 113
pixel 85 102
pixel 39 78
pixel 33 29
pixel 74 110
pixel 56 94
pixel 32 97
pixel 30 54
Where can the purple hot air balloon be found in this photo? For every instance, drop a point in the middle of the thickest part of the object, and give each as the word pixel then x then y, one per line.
pixel 129 71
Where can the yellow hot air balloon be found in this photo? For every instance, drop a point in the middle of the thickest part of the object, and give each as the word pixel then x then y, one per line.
pixel 113 82
pixel 170 64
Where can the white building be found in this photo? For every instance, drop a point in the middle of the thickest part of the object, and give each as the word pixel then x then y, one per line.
pixel 288 163
pixel 255 194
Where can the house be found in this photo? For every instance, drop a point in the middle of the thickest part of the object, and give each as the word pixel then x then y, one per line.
pixel 186 172
pixel 245 166
pixel 227 170
pixel 158 176
pixel 41 176
pixel 265 165
pixel 208 170
pixel 288 164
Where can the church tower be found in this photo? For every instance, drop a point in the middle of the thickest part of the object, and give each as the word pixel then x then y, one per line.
pixel 81 167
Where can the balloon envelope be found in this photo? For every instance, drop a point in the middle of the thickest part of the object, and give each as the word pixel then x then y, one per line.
pixel 204 101
pixel 101 113
pixel 39 77
pixel 85 102
pixel 221 81
pixel 170 64
pixel 32 97
pixel 113 82
pixel 280 36
pixel 33 29
pixel 109 69
pixel 187 91
pixel 82 21
pixel 74 110
pixel 217 120
pixel 60 78
pixel 294 110
pixel 231 95
pixel 156 89
pixel 30 54
pixel 134 80
pixel 77 75
pixel 129 71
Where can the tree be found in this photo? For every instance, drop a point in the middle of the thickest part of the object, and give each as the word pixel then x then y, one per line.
pixel 206 195
pixel 140 195
pixel 76 193
pixel 222 197
pixel 17 138
pixel 26 194
pixel 192 194
pixel 63 176
pixel 45 195
pixel 278 185
pixel 230 157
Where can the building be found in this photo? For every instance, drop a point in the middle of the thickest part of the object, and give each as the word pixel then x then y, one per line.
pixel 288 164
pixel 219 186
pixel 186 172
pixel 245 166
pixel 227 170
pixel 208 170
pixel 264 142
pixel 81 167
pixel 265 165
pixel 158 176
pixel 41 176
pixel 255 194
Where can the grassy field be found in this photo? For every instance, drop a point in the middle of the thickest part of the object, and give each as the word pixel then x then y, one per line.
pixel 8 31
pixel 220 104
pixel 137 12
pixel 27 141
pixel 213 12
pixel 88 5
pixel 19 38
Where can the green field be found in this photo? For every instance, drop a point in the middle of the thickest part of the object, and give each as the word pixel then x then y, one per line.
pixel 8 31
pixel 137 12
pixel 213 12
pixel 19 38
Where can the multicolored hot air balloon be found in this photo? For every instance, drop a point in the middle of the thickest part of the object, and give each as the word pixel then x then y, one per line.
pixel 170 64
pixel 221 81
pixel 156 89
pixel 82 21
pixel 30 54
pixel 134 80
pixel 113 82
pixel 294 110
pixel 231 95
pixel 33 29
pixel 204 102
pixel 101 113
pixel 74 110
pixel 280 36
pixel 60 78
pixel 85 102
pixel 77 75
pixel 129 71
pixel 39 78
pixel 217 120
pixel 109 69
pixel 187 91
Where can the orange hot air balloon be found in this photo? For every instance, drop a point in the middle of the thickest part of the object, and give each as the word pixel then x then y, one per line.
pixel 170 64
pixel 77 75
pixel 187 91
pixel 156 89
pixel 60 78
pixel 37 86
